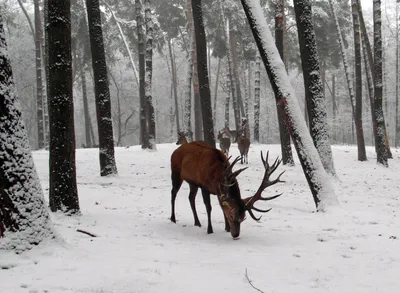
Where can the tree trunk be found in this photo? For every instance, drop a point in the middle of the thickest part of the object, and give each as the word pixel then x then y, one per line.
pixel 216 91
pixel 362 155
pixel 235 105
pixel 316 107
pixel 201 50
pixel 22 206
pixel 85 107
pixel 236 77
pixel 63 192
pixel 151 119
pixel 187 120
pixel 334 108
pixel 39 81
pixel 397 126
pixel 144 139
pixel 286 148
pixel 175 85
pixel 382 156
pixel 102 91
pixel 257 84
pixel 320 185
pixel 227 100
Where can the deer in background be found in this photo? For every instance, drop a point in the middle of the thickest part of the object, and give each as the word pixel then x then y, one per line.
pixel 243 141
pixel 209 169
pixel 224 142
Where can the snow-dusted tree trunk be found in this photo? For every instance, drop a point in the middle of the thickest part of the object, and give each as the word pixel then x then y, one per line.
pixel 24 219
pixel 257 83
pixel 102 91
pixel 187 116
pixel 315 99
pixel 382 155
pixel 286 148
pixel 39 80
pixel 86 114
pixel 205 95
pixel 362 155
pixel 141 56
pixel 63 192
pixel 150 117
pixel 317 178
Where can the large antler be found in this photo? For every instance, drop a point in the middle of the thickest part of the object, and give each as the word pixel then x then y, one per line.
pixel 264 184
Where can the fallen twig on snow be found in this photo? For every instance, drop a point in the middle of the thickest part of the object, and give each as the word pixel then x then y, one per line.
pixel 251 283
pixel 87 233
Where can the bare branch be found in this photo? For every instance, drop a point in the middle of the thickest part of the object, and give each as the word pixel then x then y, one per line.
pixel 251 283
pixel 87 233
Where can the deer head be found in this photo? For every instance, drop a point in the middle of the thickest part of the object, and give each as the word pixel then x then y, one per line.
pixel 181 138
pixel 231 203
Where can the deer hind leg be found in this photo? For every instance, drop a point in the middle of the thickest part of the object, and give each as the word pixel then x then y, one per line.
pixel 176 185
pixel 192 198
pixel 207 203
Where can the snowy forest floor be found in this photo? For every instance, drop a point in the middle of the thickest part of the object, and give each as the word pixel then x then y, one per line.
pixel 292 248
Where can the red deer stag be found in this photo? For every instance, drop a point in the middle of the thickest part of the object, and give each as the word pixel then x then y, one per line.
pixel 224 143
pixel 208 169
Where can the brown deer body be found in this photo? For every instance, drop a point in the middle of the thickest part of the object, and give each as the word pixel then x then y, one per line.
pixel 224 143
pixel 208 169
pixel 243 145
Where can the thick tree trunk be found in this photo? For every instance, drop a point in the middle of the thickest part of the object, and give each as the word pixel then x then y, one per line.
pixel 286 148
pixel 362 155
pixel 151 119
pixel 22 206
pixel 316 107
pixel 233 47
pixel 63 192
pixel 319 183
pixel 144 139
pixel 382 156
pixel 187 120
pixel 102 91
pixel 257 89
pixel 201 50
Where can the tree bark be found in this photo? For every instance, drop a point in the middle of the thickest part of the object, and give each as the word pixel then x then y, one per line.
pixel 319 183
pixel 286 148
pixel 151 119
pixel 175 85
pixel 257 84
pixel 142 92
pixel 102 91
pixel 316 107
pixel 362 155
pixel 63 192
pixel 86 113
pixel 39 80
pixel 382 156
pixel 216 91
pixel 397 126
pixel 22 205
pixel 201 49
pixel 227 100
pixel 189 75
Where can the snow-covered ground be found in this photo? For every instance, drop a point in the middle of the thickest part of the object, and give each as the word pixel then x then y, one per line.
pixel 292 248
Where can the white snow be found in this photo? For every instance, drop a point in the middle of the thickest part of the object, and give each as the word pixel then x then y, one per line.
pixel 292 248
